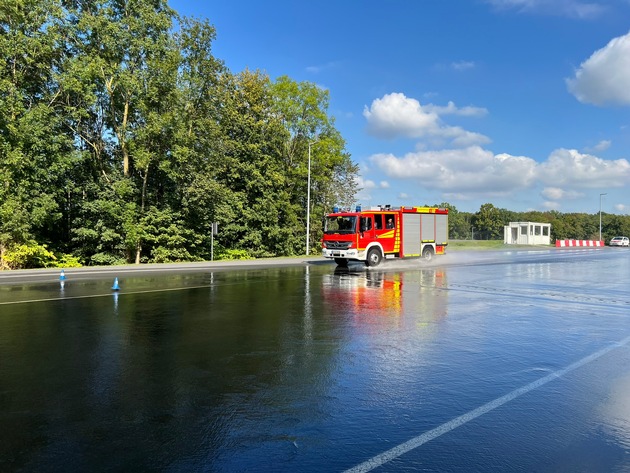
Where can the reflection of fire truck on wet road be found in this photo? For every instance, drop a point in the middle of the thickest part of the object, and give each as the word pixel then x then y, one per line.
pixel 417 295
pixel 385 233
pixel 367 293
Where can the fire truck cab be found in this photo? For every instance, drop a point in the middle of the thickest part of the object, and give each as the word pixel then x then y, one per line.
pixel 384 232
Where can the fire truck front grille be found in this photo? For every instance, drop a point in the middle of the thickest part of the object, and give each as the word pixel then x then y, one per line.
pixel 338 245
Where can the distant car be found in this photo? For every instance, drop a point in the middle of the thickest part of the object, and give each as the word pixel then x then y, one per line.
pixel 620 241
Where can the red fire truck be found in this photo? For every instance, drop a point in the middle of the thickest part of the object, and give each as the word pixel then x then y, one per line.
pixel 384 232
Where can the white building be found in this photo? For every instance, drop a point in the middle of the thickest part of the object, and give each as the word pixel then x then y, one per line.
pixel 527 233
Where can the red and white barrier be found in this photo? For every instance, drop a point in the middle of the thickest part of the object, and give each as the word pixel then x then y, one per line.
pixel 581 243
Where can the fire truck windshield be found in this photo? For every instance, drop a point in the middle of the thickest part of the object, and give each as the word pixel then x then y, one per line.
pixel 341 224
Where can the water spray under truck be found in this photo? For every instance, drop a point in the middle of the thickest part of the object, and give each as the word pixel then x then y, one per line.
pixel 384 232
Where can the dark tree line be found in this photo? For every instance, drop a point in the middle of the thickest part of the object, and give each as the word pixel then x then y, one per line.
pixel 122 138
pixel 488 223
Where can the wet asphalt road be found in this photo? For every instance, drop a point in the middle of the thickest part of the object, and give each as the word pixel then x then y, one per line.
pixel 480 361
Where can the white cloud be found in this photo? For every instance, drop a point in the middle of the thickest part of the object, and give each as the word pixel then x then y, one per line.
pixel 363 196
pixel 604 78
pixel 395 115
pixel 568 167
pixel 472 170
pixel 365 184
pixel 451 109
pixel 322 67
pixel 462 138
pixel 601 146
pixel 457 66
pixel 551 205
pixel 621 208
pixel 450 160
pixel 462 65
pixel 555 193
pixel 568 8
pixel 457 196
pixel 368 184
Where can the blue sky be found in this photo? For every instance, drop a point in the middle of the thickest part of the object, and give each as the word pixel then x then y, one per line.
pixel 524 104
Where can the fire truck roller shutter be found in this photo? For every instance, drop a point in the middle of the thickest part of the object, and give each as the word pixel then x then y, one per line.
pixel 411 235
pixel 441 229
pixel 428 227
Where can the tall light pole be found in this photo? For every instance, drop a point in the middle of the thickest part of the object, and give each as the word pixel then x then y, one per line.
pixel 308 198
pixel 600 215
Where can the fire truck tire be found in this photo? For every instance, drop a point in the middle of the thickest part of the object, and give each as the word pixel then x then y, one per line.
pixel 374 257
pixel 427 254
pixel 341 262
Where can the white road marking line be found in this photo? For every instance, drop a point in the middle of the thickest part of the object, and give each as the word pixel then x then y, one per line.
pixel 420 440
pixel 122 293
pixel 109 294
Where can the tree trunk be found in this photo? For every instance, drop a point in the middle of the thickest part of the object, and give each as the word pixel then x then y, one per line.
pixel 143 197
pixel 2 264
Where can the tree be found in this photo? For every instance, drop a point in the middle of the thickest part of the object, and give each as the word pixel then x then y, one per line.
pixel 198 155
pixel 458 222
pixel 303 109
pixel 120 96
pixel 34 150
pixel 252 169
pixel 488 223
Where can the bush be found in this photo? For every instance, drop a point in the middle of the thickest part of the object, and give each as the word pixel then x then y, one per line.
pixel 161 254
pixel 232 255
pixel 106 259
pixel 29 256
pixel 68 261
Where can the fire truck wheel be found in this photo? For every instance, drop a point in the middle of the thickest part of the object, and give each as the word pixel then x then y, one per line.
pixel 374 257
pixel 341 262
pixel 427 254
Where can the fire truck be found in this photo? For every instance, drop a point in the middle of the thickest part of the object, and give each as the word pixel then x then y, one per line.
pixel 384 232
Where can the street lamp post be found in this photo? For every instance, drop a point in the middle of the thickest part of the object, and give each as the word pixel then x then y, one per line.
pixel 308 199
pixel 600 215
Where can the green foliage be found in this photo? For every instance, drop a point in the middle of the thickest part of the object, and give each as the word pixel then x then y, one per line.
pixel 459 223
pixel 165 237
pixel 106 259
pixel 231 254
pixel 122 139
pixel 26 256
pixel 14 221
pixel 488 222
pixel 102 219
pixel 475 245
pixel 68 261
pixel 310 132
pixel 577 226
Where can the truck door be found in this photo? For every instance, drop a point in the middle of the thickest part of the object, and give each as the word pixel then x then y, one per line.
pixel 385 231
pixel 366 231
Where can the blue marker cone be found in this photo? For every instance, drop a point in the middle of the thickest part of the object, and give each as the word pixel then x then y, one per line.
pixel 116 287
pixel 62 276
